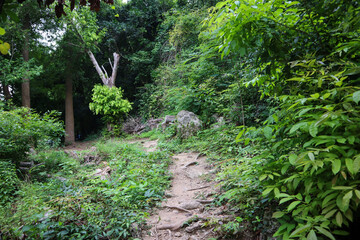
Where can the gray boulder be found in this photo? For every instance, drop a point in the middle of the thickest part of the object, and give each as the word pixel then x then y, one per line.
pixel 169 120
pixel 188 124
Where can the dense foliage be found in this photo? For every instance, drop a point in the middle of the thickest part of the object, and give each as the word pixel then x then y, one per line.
pixel 68 200
pixel 276 83
pixel 21 129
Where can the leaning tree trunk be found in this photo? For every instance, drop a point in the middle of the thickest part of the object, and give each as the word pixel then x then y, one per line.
pixel 69 110
pixel 25 86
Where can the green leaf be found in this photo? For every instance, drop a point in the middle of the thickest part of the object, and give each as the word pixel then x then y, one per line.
pixel 311 235
pixel 356 97
pixel 297 126
pixel 357 193
pixel 330 214
pixel 292 159
pixel 325 232
pixel 278 214
pixel 311 156
pixel 349 165
pixel 313 130
pixel 336 165
pixel 339 219
pixel 356 165
pixel 300 230
pixel 316 95
pixel 285 200
pixel 293 205
pixel 240 135
pixel 2 31
pixel 268 132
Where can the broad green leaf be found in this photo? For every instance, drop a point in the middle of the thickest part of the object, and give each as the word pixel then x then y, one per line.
pixel 329 198
pixel 292 159
pixel 313 130
pixel 357 193
pixel 240 135
pixel 300 230
pixel 268 132
pixel 285 200
pixel 356 97
pixel 356 165
pixel 297 126
pixel 339 219
pixel 349 215
pixel 262 177
pixel 2 31
pixel 349 165
pixel 278 214
pixel 311 235
pixel 315 95
pixel 267 191
pixel 311 156
pixel 336 165
pixel 293 205
pixel 331 213
pixel 325 232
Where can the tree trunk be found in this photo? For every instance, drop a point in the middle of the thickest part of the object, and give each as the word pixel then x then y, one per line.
pixel 25 86
pixel 6 92
pixel 69 110
pixel 105 78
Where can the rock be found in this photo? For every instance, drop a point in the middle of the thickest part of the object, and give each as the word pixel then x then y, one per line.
pixel 169 120
pixel 188 124
pixel 102 173
pixel 220 121
pixel 133 125
pixel 153 123
pixel 191 205
pixel 177 234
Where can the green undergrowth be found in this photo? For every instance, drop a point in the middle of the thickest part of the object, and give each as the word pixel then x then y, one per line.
pixel 63 199
pixel 237 174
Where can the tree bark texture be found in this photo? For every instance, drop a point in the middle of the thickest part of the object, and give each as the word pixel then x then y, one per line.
pixel 69 110
pixel 105 78
pixel 25 86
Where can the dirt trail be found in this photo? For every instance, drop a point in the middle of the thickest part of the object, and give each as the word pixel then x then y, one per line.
pixel 185 210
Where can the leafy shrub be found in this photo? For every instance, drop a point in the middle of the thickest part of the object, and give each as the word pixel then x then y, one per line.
pixel 21 129
pixel 109 102
pixel 8 181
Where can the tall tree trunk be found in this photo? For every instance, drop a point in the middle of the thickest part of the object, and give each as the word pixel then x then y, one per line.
pixel 69 109
pixel 25 86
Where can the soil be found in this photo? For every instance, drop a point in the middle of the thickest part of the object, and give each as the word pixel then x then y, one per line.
pixel 186 209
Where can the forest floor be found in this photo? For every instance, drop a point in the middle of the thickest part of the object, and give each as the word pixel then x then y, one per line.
pixel 184 212
pixel 187 211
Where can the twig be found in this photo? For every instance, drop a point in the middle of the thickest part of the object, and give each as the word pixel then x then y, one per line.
pixel 193 189
pixel 179 208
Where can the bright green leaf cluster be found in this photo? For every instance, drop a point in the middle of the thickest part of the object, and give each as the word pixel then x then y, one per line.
pixel 109 102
